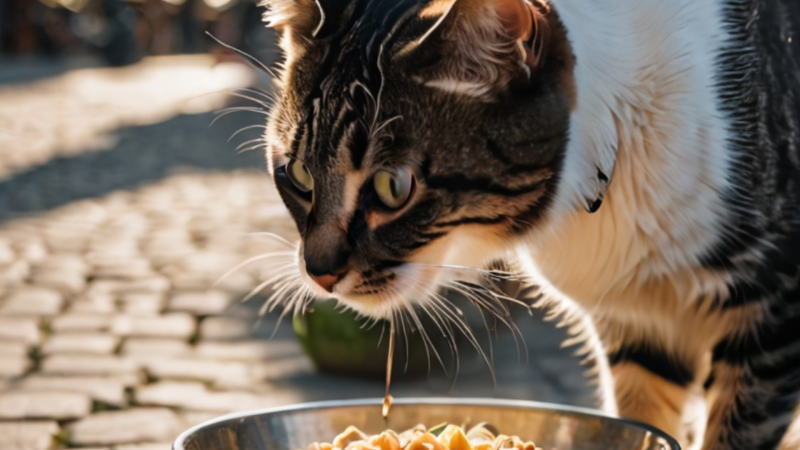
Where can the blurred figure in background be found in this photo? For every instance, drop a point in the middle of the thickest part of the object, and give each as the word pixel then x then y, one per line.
pixel 122 31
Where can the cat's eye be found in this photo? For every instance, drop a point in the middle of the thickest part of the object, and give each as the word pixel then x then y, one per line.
pixel 300 176
pixel 394 187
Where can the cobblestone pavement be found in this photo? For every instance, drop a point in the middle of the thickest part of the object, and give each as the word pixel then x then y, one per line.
pixel 113 334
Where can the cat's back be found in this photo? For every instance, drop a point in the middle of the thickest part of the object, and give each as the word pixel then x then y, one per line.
pixel 761 91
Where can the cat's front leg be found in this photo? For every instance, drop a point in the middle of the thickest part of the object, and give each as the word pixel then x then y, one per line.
pixel 755 387
pixel 656 387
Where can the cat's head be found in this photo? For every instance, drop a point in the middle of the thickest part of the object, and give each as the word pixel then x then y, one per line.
pixel 412 135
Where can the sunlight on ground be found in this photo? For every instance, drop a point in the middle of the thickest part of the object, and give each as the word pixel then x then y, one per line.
pixel 77 112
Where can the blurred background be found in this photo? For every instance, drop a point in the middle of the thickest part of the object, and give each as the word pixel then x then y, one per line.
pixel 132 177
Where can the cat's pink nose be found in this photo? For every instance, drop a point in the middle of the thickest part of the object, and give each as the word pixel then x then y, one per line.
pixel 326 281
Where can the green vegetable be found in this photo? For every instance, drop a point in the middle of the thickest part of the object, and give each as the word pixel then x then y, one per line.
pixel 340 342
pixel 437 430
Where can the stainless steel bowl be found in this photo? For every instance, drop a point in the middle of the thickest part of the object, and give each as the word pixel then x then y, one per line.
pixel 550 426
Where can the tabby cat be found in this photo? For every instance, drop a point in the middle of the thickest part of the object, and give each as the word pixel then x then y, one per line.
pixel 641 158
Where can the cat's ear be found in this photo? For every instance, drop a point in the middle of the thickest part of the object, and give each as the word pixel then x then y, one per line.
pixel 483 45
pixel 297 17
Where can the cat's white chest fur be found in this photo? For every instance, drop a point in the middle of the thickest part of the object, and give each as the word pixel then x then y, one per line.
pixel 647 111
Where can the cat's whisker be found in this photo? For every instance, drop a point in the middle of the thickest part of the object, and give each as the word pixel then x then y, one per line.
pixel 248 145
pixel 255 100
pixel 492 274
pixel 271 304
pixel 455 316
pixel 224 112
pixel 292 306
pixel 486 299
pixel 274 236
pixel 251 60
pixel 496 294
pixel 433 308
pixel 280 288
pixel 430 348
pixel 247 262
pixel 282 275
pixel 267 96
pixel 246 128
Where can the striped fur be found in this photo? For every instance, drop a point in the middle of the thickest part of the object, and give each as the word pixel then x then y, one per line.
pixel 641 159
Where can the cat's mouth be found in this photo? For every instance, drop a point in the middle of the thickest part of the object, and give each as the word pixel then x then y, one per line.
pixel 378 295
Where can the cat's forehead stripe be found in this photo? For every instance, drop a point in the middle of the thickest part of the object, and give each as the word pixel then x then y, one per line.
pixel 360 41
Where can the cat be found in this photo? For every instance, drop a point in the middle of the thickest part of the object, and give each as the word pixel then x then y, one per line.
pixel 641 158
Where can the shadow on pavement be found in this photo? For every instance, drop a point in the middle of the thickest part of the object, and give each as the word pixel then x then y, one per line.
pixel 136 156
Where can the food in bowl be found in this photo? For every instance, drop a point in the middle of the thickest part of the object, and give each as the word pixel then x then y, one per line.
pixel 441 437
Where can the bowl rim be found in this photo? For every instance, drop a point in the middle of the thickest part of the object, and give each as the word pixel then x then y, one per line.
pixel 179 442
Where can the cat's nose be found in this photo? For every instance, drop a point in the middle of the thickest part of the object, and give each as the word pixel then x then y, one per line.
pixel 326 282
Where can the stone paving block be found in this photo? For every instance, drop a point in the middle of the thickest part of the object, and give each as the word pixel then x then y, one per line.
pixel 148 284
pixel 226 328
pixel 169 393
pixel 13 365
pixel 69 241
pixel 186 368
pixel 94 303
pixel 200 302
pixel 63 262
pixel 142 303
pixel 282 368
pixel 33 300
pixel 62 281
pixel 13 349
pixel 175 325
pixel 20 330
pixel 125 268
pixel 148 446
pixel 250 350
pixel 94 343
pixel 31 250
pixel 44 405
pixel 110 390
pixel 194 396
pixel 192 418
pixel 153 347
pixel 81 322
pixel 7 255
pixel 14 273
pixel 239 283
pixel 187 280
pixel 28 435
pixel 68 364
pixel 121 427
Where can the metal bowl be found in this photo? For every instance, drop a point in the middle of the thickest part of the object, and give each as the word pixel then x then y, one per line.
pixel 550 426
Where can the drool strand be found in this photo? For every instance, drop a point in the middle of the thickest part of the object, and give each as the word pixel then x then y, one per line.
pixel 388 399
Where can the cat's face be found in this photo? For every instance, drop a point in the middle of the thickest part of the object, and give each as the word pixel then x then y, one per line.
pixel 398 154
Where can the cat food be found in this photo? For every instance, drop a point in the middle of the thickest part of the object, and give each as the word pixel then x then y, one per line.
pixel 442 437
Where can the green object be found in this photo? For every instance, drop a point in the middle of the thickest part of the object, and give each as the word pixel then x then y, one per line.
pixel 437 430
pixel 340 342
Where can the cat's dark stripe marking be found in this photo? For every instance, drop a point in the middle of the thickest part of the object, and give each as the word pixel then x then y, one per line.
pixel 472 221
pixel 385 264
pixel 516 168
pixel 534 212
pixel 709 381
pixel 655 361
pixel 359 143
pixel 381 280
pixel 324 72
pixel 423 240
pixel 463 183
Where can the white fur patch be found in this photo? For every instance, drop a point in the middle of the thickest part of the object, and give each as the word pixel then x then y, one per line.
pixel 648 117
